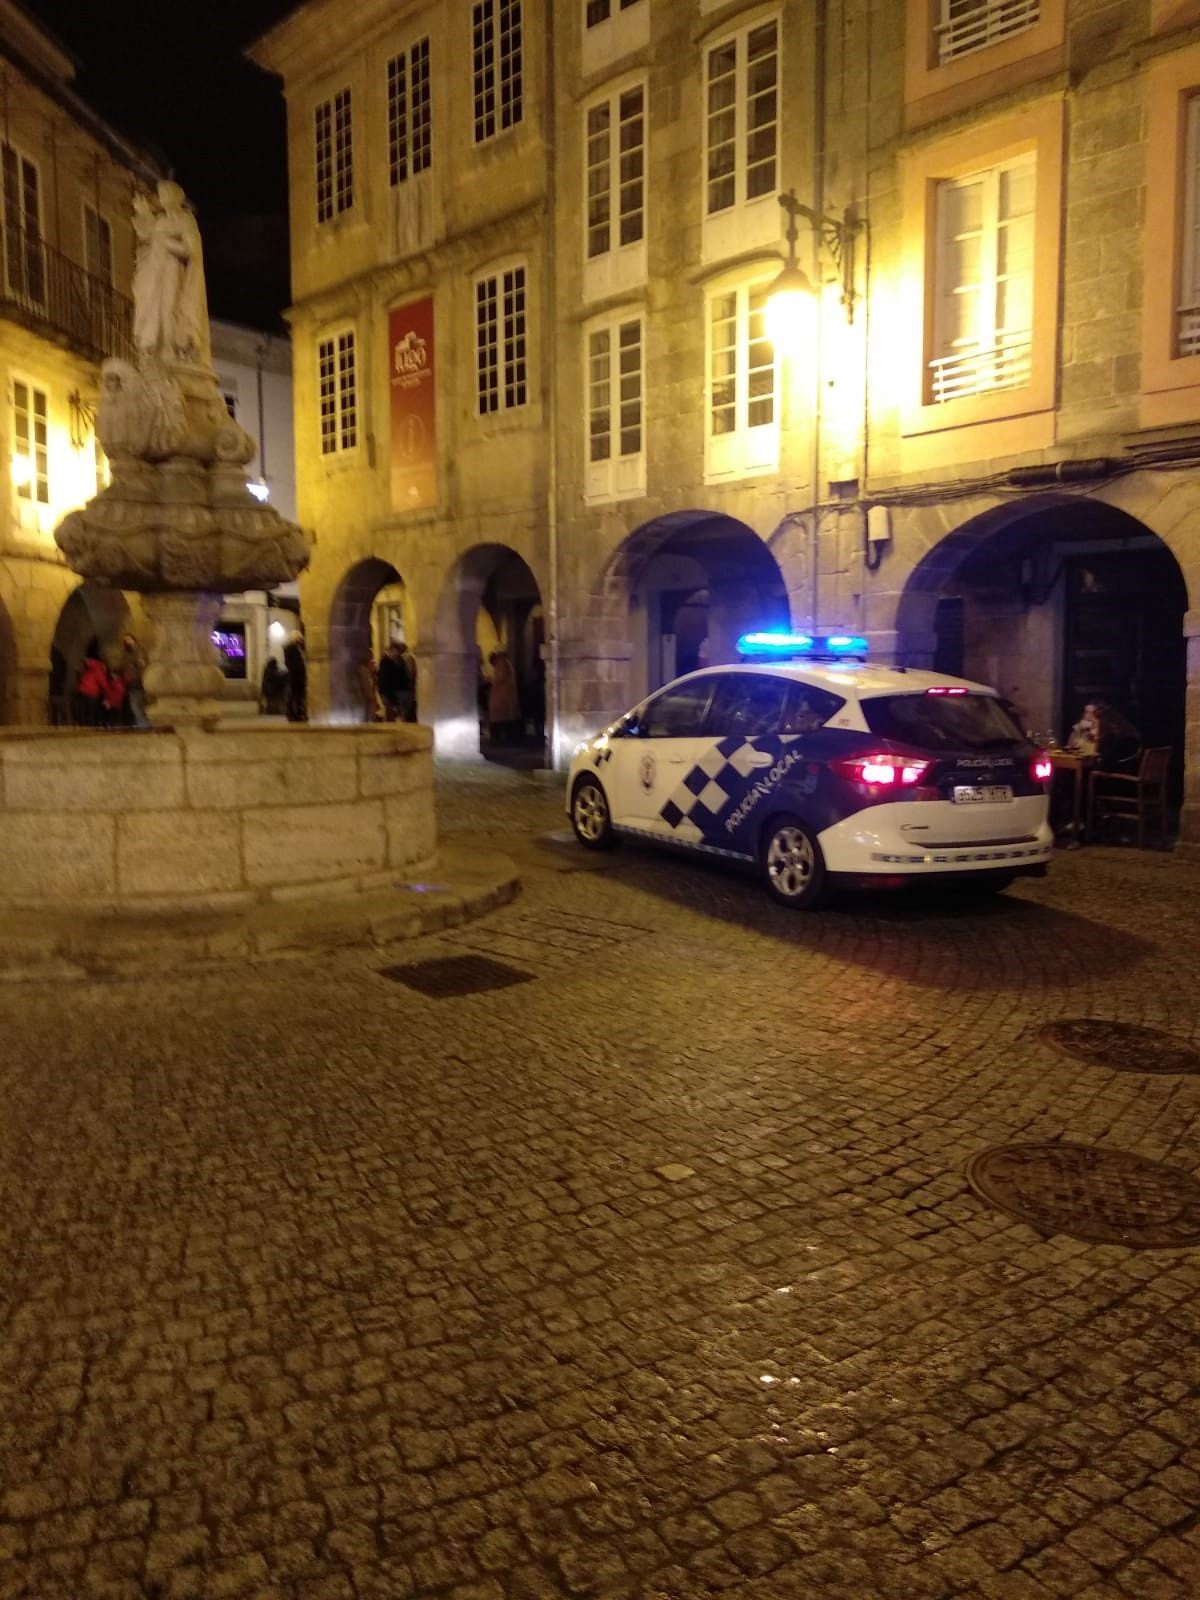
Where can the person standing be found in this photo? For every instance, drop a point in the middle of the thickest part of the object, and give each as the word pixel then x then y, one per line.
pixel 365 680
pixel 407 663
pixel 91 690
pixel 504 710
pixel 391 683
pixel 297 678
pixel 272 700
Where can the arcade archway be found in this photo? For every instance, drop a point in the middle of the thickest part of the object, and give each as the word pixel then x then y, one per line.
pixel 369 612
pixel 689 584
pixel 1057 602
pixel 490 627
pixel 91 619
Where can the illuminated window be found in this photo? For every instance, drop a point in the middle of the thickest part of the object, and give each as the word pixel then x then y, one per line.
pixel 338 390
pixel 1187 327
pixel 742 126
pixel 595 11
pixel 496 47
pixel 24 261
pixel 743 430
pixel 616 460
pixel 31 443
pixel 983 293
pixel 968 25
pixel 410 125
pixel 335 157
pixel 97 247
pixel 500 341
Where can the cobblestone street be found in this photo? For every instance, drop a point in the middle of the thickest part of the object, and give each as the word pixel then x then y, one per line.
pixel 654 1276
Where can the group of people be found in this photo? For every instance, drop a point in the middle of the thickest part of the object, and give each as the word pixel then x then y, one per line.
pixel 284 689
pixel 109 693
pixel 388 692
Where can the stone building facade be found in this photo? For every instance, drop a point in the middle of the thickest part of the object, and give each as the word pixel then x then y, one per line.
pixel 67 260
pixel 531 249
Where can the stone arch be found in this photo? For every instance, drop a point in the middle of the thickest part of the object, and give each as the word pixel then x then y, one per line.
pixel 489 599
pixel 1057 599
pixel 711 568
pixel 352 629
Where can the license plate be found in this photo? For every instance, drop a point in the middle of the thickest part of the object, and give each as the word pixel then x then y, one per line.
pixel 981 793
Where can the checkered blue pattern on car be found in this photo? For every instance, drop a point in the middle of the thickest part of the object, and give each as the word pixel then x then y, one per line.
pixel 720 778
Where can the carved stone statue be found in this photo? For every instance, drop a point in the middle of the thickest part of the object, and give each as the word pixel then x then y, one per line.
pixel 170 310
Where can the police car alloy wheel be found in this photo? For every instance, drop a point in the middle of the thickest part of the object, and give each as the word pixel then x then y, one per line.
pixel 792 865
pixel 590 815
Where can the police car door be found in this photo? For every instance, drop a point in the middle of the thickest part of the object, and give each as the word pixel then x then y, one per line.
pixel 666 741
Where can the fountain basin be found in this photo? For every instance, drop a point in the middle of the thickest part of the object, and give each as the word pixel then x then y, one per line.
pixel 214 819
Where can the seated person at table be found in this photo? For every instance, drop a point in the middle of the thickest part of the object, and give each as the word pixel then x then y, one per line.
pixel 1084 737
pixel 1118 743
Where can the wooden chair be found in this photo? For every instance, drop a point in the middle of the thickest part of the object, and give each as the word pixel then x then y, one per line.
pixel 1140 796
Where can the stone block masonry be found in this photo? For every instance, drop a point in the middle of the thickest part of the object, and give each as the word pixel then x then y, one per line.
pixel 213 820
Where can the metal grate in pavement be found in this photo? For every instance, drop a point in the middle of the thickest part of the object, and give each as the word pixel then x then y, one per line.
pixel 1121 1046
pixel 450 977
pixel 1104 1196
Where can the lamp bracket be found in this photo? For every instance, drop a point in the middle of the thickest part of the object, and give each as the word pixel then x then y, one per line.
pixel 836 234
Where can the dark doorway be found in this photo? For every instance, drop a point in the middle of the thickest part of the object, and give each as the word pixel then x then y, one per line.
pixel 949 629
pixel 1124 644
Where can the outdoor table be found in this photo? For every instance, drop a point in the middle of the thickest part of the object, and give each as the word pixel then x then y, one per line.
pixel 1078 766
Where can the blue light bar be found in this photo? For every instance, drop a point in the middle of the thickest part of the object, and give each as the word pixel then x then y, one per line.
pixel 784 645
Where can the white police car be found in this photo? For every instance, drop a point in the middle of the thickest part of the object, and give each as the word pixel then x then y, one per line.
pixel 816 768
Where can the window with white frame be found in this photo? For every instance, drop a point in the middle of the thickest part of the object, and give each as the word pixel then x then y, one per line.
pixel 337 387
pixel 983 290
pixel 501 336
pixel 97 247
pixel 409 113
pixel 616 448
pixel 1187 323
pixel 24 260
pixel 743 409
pixel 615 179
pixel 496 62
pixel 964 26
pixel 742 117
pixel 334 156
pixel 31 442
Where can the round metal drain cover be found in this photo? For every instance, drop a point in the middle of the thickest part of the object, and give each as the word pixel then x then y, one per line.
pixel 1105 1196
pixel 1121 1046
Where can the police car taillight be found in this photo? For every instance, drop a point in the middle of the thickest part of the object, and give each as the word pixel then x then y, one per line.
pixel 885 770
pixel 1042 767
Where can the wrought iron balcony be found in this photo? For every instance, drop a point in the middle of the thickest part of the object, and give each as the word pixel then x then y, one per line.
pixel 55 297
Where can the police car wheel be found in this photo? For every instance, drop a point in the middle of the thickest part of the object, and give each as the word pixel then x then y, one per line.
pixel 590 816
pixel 793 867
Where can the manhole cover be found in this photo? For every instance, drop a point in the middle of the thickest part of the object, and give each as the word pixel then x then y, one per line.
pixel 1122 1046
pixel 446 977
pixel 1105 1196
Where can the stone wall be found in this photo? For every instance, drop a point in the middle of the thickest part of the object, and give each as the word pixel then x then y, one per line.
pixel 220 819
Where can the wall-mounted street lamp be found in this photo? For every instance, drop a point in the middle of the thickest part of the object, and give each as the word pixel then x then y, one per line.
pixel 792 286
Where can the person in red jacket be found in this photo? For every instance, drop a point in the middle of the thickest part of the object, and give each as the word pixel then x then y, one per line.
pixel 91 690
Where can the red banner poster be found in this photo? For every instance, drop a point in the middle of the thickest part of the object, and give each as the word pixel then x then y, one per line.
pixel 414 423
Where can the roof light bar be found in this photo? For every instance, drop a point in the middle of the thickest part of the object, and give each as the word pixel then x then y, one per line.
pixel 784 645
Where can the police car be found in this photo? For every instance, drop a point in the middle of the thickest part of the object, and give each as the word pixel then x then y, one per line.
pixel 817 768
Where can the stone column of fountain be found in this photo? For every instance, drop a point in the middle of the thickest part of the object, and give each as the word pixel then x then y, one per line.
pixel 177 524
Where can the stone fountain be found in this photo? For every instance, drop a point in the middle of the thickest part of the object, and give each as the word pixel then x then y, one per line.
pixel 177 523
pixel 194 815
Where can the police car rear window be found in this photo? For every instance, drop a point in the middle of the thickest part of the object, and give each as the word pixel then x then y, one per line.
pixel 943 721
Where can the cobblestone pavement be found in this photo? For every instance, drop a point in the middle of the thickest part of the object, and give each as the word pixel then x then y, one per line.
pixel 655 1276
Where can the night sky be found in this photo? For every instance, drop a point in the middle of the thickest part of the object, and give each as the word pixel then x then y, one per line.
pixel 171 75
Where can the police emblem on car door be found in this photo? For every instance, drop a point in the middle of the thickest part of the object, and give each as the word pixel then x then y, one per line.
pixel 743 757
pixel 662 744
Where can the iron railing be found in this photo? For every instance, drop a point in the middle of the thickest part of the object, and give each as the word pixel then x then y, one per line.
pixel 969 25
pixel 999 366
pixel 57 297
pixel 1188 331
